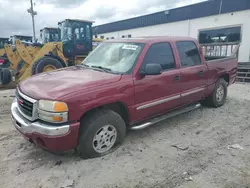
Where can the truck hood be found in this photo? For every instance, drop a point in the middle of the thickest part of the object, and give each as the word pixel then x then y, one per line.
pixel 56 84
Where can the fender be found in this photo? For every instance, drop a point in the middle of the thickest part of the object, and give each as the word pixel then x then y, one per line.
pixel 85 107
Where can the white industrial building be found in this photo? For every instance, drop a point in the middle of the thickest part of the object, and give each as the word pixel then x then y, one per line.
pixel 219 25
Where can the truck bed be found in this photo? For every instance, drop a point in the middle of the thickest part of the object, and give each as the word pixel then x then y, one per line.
pixel 226 65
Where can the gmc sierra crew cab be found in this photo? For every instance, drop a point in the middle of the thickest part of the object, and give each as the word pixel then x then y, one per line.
pixel 123 84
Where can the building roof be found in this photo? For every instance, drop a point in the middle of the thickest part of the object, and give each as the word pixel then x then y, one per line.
pixel 199 10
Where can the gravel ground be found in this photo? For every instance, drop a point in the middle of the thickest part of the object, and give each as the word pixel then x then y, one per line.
pixel 147 159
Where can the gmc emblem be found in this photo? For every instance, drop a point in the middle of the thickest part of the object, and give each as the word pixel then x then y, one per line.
pixel 19 101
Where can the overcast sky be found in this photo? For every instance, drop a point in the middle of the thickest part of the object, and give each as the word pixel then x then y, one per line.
pixel 14 18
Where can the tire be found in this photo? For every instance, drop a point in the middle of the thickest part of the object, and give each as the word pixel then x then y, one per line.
pixel 214 100
pixel 92 126
pixel 5 76
pixel 40 64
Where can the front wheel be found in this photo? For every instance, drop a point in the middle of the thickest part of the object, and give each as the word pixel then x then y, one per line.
pixel 219 95
pixel 46 64
pixel 100 134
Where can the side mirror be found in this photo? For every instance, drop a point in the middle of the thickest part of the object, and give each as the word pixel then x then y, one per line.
pixel 151 69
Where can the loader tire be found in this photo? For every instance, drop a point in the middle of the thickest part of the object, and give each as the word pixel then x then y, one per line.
pixel 40 65
pixel 5 76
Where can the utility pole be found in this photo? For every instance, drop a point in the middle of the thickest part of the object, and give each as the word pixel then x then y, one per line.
pixel 221 3
pixel 33 14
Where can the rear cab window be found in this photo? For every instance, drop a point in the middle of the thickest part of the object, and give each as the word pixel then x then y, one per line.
pixel 160 53
pixel 189 53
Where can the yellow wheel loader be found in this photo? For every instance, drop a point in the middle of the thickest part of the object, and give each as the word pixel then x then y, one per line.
pixel 75 45
pixel 12 56
pixel 9 57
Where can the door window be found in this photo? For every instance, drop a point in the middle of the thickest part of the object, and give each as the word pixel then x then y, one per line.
pixel 160 53
pixel 189 53
pixel 88 32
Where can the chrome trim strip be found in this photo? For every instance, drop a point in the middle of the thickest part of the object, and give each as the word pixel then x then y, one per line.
pixel 28 127
pixel 191 92
pixel 158 102
pixel 26 97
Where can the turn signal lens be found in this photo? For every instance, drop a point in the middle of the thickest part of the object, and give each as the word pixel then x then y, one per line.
pixel 60 107
pixel 57 118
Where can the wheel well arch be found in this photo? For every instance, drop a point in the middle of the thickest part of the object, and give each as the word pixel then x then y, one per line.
pixel 118 107
pixel 226 77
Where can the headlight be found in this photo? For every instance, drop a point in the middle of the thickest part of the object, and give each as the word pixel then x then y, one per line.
pixel 52 106
pixel 52 111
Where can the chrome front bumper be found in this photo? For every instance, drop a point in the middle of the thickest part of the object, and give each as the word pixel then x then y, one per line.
pixel 27 127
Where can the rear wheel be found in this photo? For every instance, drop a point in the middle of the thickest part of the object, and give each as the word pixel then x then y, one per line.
pixel 219 95
pixel 46 64
pixel 100 134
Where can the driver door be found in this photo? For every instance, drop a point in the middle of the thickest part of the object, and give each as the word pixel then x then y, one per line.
pixel 82 39
pixel 158 93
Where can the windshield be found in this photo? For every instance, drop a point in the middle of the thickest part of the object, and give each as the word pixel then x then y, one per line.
pixel 118 57
pixel 66 32
pixel 45 36
pixel 54 37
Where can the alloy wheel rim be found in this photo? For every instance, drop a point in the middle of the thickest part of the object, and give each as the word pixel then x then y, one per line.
pixel 104 139
pixel 220 93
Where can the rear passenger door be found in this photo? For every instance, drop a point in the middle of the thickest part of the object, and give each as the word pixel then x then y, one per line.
pixel 155 94
pixel 193 72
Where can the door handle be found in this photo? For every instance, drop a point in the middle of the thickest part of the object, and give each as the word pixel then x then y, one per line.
pixel 176 78
pixel 201 73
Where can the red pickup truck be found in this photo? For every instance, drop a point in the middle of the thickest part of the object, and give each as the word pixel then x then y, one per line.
pixel 122 84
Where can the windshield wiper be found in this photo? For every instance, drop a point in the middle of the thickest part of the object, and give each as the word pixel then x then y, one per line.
pixel 102 68
pixel 84 65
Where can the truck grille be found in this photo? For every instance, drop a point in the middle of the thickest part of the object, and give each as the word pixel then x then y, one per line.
pixel 25 106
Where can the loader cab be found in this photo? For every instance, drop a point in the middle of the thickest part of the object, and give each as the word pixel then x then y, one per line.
pixel 76 36
pixel 49 34
pixel 3 41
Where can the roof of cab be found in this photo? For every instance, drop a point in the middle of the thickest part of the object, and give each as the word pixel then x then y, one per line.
pixel 52 28
pixel 22 36
pixel 76 20
pixel 152 39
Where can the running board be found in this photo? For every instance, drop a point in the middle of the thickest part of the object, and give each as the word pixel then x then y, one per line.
pixel 165 116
